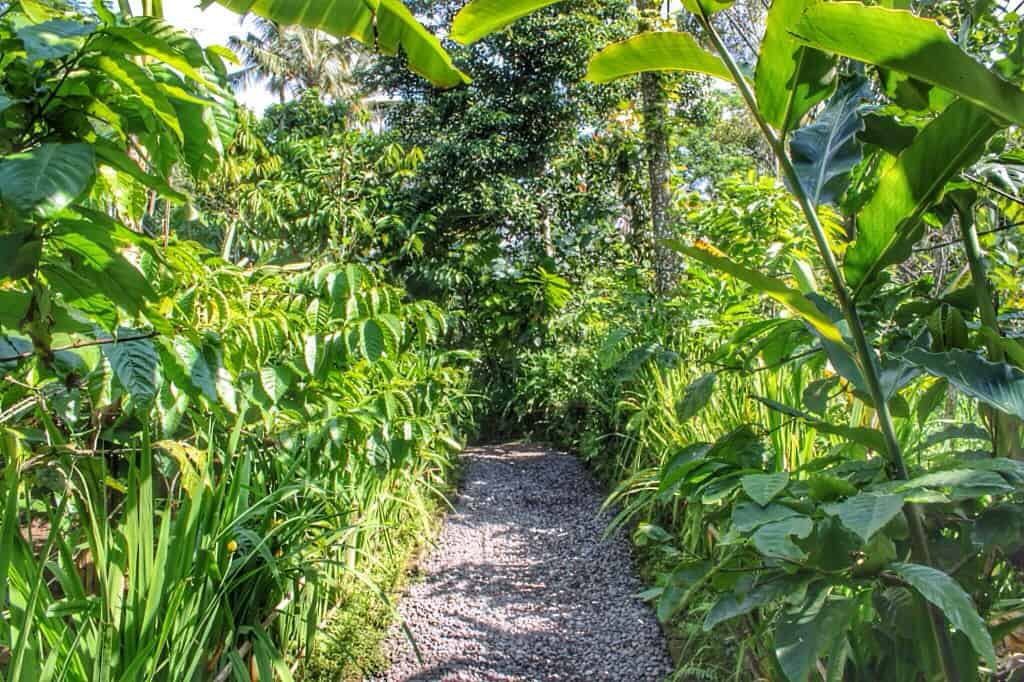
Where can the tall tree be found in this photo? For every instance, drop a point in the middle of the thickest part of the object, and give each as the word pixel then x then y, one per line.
pixel 654 100
pixel 293 59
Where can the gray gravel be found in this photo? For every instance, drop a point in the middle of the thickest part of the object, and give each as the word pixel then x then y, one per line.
pixel 521 586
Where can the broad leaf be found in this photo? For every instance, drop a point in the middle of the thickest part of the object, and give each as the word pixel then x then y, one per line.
pixel 276 381
pixel 732 605
pixel 790 78
pixel 196 370
pixel 654 51
pixel 47 178
pixel 384 24
pixel 53 39
pixel 112 155
pixel 792 299
pixel 910 184
pixel 805 633
pixel 372 343
pixel 962 484
pixel 865 514
pixel 696 396
pixel 480 18
pixel 762 488
pixel 945 593
pixel 137 81
pixel 775 540
pixel 748 516
pixel 135 364
pixel 919 47
pixel 997 384
pixel 825 152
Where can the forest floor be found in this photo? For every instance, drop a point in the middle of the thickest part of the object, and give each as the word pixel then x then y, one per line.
pixel 521 585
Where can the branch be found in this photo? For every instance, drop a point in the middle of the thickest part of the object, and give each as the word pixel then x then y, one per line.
pixel 82 344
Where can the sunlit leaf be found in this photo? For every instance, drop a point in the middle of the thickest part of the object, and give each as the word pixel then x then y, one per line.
pixel 655 51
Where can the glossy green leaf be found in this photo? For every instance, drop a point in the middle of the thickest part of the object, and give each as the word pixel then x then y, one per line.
pixel 195 368
pixel 166 44
pixel 706 8
pixel 919 47
pixel 372 343
pixel 696 396
pixel 732 605
pixel 825 152
pixel 792 299
pixel 110 154
pixel 763 488
pixel 997 384
pixel 53 39
pixel 910 184
pixel 136 366
pixel 480 18
pixel 790 78
pixel 387 25
pixel 865 514
pixel 138 81
pixel 48 178
pixel 276 380
pixel 805 633
pixel 775 540
pixel 654 51
pixel 945 593
pixel 748 516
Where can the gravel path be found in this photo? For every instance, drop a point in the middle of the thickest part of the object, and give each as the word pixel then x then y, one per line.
pixel 521 587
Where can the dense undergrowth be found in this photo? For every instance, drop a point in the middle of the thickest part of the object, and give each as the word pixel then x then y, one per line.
pixel 782 316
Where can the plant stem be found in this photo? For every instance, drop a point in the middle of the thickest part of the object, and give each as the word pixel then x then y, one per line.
pixel 1007 442
pixel 865 354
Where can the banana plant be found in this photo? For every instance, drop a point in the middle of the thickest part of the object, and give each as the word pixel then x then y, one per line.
pixel 804 44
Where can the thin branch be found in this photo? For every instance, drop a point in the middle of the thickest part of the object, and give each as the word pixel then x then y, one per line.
pixel 82 344
pixel 951 242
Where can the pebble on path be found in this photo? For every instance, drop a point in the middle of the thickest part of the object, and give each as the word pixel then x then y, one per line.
pixel 521 585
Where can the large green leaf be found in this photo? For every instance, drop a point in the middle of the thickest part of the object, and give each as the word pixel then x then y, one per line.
pixel 945 593
pixel 696 396
pixel 749 516
pixel 919 47
pixel 137 81
pixel 372 342
pixel 113 155
pixel 806 632
pixel 167 44
pixel 731 605
pixel 53 39
pixel 997 384
pixel 135 364
pixel 865 514
pixel 47 178
pixel 385 24
pixel 655 51
pixel 775 540
pixel 480 18
pixel 825 152
pixel 792 299
pixel 790 78
pixel 762 488
pixel 911 183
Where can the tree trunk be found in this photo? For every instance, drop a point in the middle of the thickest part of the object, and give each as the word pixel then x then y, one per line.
pixel 654 100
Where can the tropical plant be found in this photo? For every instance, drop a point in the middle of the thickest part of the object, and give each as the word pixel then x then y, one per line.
pixel 894 507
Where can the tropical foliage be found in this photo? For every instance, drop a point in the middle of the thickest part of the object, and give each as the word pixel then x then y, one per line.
pixel 238 354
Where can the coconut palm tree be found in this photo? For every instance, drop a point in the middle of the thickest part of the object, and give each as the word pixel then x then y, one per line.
pixel 290 60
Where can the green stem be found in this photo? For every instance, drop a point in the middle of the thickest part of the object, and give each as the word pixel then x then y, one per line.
pixel 865 354
pixel 1007 442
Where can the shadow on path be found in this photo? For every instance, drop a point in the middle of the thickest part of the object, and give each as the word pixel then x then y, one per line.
pixel 521 586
